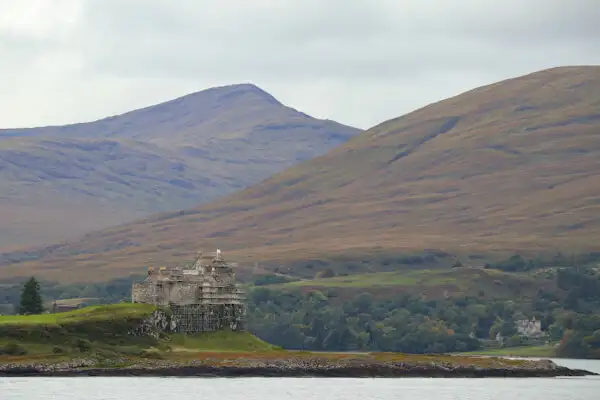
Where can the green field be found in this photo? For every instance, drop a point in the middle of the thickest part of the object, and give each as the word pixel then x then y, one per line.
pixel 524 351
pixel 219 341
pixel 399 278
pixel 434 283
pixel 420 277
pixel 87 314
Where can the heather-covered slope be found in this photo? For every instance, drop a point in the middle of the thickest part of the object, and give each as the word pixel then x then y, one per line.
pixel 512 165
pixel 59 182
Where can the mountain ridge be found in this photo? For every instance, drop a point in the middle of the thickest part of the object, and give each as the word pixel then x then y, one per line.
pixel 163 157
pixel 511 166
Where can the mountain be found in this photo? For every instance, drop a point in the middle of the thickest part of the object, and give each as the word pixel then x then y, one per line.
pixel 510 166
pixel 59 182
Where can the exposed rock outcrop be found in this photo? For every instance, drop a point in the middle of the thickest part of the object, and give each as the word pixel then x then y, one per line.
pixel 157 323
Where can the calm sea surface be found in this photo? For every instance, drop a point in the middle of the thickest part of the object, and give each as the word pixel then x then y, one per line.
pixel 586 388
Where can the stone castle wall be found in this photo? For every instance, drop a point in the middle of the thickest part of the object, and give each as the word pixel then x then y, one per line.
pixel 183 293
pixel 164 293
pixel 142 293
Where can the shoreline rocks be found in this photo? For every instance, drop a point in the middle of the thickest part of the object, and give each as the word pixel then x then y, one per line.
pixel 291 368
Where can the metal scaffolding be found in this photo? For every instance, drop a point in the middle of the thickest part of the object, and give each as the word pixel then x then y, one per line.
pixel 208 317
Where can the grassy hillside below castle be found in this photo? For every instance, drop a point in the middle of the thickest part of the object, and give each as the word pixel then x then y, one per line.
pixel 105 332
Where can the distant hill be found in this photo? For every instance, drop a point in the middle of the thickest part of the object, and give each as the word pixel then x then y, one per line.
pixel 510 166
pixel 59 182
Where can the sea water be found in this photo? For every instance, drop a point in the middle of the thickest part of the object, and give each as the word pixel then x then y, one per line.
pixel 130 388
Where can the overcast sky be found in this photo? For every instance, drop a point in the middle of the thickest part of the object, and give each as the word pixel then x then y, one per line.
pixel 359 62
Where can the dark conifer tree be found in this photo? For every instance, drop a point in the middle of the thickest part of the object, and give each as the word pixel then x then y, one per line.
pixel 31 300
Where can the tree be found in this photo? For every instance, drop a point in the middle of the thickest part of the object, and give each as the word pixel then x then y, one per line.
pixel 31 300
pixel 573 345
pixel 508 328
pixel 514 341
pixel 363 302
pixel 593 340
pixel 556 331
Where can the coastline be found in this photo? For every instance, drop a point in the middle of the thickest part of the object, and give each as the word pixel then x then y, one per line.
pixel 130 340
pixel 312 367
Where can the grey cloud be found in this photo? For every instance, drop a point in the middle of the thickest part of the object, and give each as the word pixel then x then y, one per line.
pixel 328 38
pixel 411 52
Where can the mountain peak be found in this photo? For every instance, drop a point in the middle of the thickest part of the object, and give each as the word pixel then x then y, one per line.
pixel 235 92
pixel 162 157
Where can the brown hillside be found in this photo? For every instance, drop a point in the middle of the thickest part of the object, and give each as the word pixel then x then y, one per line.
pixel 512 165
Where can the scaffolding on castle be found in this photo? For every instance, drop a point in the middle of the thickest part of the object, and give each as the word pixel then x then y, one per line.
pixel 202 298
pixel 208 317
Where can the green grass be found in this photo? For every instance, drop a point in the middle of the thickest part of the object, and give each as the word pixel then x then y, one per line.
pixel 94 330
pixel 460 277
pixel 33 349
pixel 523 351
pixel 104 332
pixel 87 314
pixel 220 341
pixel 396 278
pixel 433 283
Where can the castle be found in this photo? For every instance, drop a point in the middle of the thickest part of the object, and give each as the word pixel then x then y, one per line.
pixel 202 298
